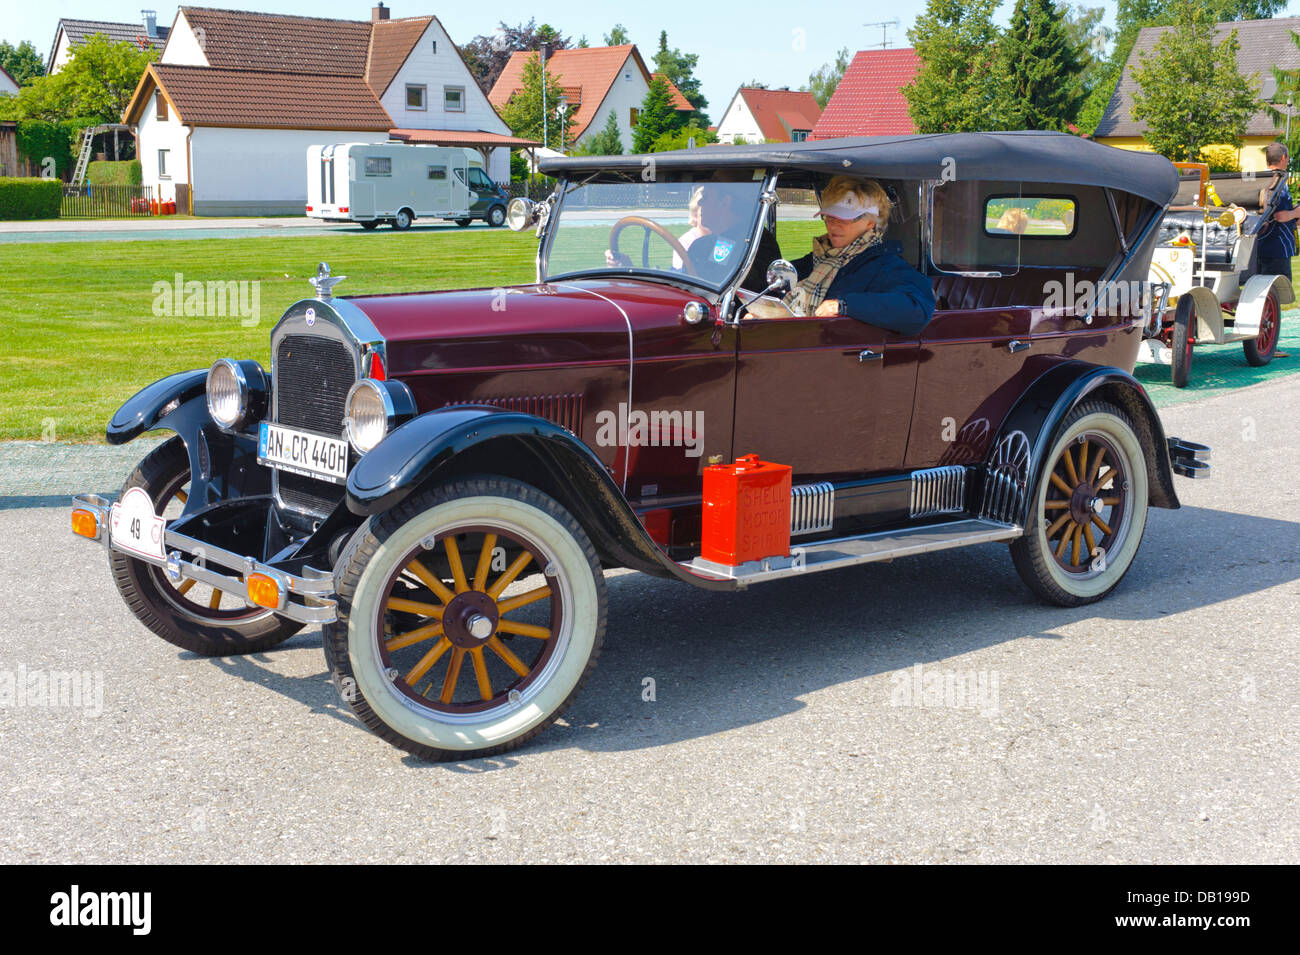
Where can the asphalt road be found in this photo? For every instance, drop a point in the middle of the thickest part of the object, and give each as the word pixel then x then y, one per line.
pixel 1157 726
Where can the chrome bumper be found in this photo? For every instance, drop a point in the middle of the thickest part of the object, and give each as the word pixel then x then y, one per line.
pixel 307 599
pixel 1188 458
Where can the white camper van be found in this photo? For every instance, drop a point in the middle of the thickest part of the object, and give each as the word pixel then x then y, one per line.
pixel 397 183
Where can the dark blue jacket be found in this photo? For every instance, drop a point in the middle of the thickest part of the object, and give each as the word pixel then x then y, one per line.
pixel 881 289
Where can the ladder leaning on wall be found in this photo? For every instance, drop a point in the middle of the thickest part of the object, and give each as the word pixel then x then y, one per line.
pixel 83 160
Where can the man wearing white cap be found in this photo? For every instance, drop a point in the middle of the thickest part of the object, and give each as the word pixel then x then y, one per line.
pixel 852 272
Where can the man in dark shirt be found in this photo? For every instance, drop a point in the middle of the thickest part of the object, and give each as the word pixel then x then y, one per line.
pixel 725 214
pixel 715 256
pixel 1278 243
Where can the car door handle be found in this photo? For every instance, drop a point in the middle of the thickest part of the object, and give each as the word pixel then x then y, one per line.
pixel 1016 345
pixel 868 355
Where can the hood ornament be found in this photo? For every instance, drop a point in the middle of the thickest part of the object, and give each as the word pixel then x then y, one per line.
pixel 323 283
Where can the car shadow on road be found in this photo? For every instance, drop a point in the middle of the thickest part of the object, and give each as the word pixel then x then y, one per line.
pixel 720 661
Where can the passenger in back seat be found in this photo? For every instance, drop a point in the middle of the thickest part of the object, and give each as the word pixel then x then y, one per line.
pixel 852 272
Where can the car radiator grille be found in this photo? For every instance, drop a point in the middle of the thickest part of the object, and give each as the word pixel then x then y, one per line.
pixel 312 377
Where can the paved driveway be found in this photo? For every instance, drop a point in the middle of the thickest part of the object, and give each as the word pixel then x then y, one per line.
pixel 1157 726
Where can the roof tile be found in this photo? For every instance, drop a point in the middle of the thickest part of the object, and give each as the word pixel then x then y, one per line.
pixel 238 40
pixel 209 96
pixel 869 99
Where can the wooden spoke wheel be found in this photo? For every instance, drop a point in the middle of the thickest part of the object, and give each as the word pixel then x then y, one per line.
pixel 191 615
pixel 1260 351
pixel 469 617
pixel 1086 503
pixel 1088 511
pixel 471 620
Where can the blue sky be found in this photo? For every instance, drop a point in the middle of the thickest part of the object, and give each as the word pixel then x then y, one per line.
pixel 779 44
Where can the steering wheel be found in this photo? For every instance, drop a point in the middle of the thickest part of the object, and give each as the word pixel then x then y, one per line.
pixel 660 231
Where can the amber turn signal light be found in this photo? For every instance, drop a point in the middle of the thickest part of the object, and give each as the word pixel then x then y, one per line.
pixel 263 590
pixel 84 523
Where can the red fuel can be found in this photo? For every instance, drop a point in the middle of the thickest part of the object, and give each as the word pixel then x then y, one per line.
pixel 746 511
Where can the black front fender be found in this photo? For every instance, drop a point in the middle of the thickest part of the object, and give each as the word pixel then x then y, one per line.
pixel 484 440
pixel 146 409
pixel 1055 393
pixel 222 465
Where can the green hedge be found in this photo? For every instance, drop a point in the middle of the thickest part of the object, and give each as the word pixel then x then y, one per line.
pixel 105 173
pixel 30 198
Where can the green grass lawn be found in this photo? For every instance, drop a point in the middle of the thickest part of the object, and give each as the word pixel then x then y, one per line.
pixel 80 334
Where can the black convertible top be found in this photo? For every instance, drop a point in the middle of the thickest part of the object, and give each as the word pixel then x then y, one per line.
pixel 1021 156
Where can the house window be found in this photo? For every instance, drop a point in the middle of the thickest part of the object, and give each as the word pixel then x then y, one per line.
pixel 379 166
pixel 633 115
pixel 453 99
pixel 438 173
pixel 415 96
pixel 162 164
pixel 799 135
pixel 435 47
pixel 162 106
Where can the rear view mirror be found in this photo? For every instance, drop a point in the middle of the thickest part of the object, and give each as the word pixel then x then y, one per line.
pixel 781 277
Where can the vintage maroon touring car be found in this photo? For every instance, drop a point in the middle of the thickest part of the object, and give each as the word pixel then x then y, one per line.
pixel 439 479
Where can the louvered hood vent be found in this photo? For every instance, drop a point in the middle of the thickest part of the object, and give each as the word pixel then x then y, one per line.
pixel 564 410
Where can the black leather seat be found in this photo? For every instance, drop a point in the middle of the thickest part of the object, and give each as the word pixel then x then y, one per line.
pixel 1026 288
pixel 1218 239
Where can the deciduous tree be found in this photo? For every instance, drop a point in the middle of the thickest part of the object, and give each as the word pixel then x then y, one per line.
pixel 1190 92
pixel 960 85
pixel 822 83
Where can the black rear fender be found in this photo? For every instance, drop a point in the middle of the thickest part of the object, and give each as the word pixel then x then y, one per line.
pixel 1053 395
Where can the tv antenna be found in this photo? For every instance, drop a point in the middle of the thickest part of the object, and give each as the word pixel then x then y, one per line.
pixel 884 28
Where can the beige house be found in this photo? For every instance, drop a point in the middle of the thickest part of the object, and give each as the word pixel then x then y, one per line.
pixel 1264 44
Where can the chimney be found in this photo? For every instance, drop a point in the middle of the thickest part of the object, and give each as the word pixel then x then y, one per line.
pixel 150 18
pixel 379 13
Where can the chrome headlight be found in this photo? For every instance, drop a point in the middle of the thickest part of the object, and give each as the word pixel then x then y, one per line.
pixel 236 392
pixel 373 409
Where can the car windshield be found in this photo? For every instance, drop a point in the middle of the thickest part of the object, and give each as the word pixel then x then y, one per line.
pixel 698 231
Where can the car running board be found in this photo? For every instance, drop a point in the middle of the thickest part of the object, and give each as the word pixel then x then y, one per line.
pixel 863 549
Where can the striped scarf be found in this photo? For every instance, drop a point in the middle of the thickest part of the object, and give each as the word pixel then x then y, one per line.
pixel 804 298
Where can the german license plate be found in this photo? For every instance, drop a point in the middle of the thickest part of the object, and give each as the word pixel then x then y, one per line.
pixel 303 452
pixel 134 527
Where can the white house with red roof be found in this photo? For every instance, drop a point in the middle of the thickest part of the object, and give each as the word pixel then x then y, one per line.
pixel 226 114
pixel 597 81
pixel 757 115
pixel 869 99
pixel 8 85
